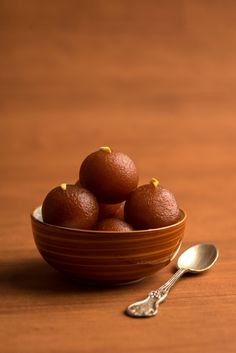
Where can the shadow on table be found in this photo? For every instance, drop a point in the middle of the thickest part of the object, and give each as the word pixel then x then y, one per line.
pixel 34 275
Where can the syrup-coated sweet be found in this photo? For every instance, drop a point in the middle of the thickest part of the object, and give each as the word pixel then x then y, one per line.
pixel 111 176
pixel 70 206
pixel 151 206
pixel 113 224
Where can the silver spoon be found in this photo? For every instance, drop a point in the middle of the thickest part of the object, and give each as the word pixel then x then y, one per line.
pixel 196 259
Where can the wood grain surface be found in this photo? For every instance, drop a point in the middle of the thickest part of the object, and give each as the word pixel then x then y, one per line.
pixel 157 80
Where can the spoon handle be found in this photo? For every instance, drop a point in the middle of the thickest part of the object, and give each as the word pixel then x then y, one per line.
pixel 149 306
pixel 161 293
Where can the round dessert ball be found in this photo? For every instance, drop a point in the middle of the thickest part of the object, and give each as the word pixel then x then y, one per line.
pixel 111 176
pixel 151 206
pixel 113 224
pixel 107 210
pixel 70 206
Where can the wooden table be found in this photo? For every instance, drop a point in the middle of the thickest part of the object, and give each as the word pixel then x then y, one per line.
pixel 157 80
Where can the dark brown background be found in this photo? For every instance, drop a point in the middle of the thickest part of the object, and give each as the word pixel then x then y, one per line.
pixel 157 80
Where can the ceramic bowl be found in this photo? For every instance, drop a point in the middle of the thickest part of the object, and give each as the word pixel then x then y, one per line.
pixel 110 257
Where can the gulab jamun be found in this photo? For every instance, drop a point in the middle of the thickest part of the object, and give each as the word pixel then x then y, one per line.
pixel 151 206
pixel 114 225
pixel 111 176
pixel 107 210
pixel 70 206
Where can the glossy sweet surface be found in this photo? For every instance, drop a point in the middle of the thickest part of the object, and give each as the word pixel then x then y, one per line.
pixel 114 225
pixel 111 210
pixel 151 207
pixel 110 176
pixel 110 257
pixel 70 206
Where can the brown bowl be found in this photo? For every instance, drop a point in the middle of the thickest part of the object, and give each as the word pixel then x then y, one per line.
pixel 111 257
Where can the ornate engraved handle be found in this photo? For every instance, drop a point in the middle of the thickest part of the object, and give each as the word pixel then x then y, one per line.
pixel 149 306
pixel 161 293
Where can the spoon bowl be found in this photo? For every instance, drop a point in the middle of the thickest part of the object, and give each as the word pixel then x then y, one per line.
pixel 198 258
